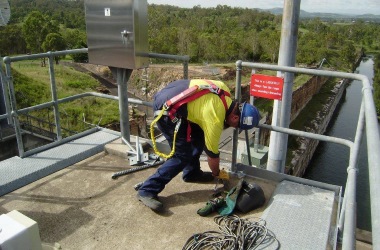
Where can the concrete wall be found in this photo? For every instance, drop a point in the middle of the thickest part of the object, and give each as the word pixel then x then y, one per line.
pixel 300 99
pixel 9 148
pixel 305 93
pixel 303 155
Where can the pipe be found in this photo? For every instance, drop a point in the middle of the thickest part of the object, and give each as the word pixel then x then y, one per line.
pixel 282 109
pixel 123 76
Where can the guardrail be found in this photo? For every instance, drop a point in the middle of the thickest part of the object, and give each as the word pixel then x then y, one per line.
pixel 12 114
pixel 368 119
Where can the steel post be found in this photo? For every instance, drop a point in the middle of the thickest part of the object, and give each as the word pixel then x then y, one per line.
pixel 123 76
pixel 186 70
pixel 4 91
pixel 282 109
pixel 349 207
pixel 13 106
pixel 236 131
pixel 54 97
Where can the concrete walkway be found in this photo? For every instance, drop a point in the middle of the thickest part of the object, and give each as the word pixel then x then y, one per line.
pixel 82 207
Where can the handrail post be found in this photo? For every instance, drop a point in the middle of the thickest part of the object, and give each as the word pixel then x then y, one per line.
pixel 54 96
pixel 236 131
pixel 13 106
pixel 352 165
pixel 5 91
pixel 349 232
pixel 186 69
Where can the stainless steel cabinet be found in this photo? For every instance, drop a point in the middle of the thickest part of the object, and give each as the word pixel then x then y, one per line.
pixel 117 33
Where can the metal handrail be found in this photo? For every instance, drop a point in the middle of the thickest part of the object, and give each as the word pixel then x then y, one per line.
pixel 368 119
pixel 11 105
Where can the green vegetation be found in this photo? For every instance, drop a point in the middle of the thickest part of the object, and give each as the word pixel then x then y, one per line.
pixel 28 90
pixel 214 35
pixel 32 87
pixel 219 36
pixel 376 84
pixel 68 80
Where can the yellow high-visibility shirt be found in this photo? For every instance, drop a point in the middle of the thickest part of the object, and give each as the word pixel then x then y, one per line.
pixel 209 113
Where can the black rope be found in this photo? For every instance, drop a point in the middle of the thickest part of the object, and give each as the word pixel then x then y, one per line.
pixel 234 234
pixel 135 169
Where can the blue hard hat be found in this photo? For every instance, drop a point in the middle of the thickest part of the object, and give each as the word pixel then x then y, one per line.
pixel 249 116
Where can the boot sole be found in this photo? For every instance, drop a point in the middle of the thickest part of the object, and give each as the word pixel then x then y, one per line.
pixel 146 202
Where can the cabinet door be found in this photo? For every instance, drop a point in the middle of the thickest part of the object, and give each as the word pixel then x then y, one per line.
pixel 113 32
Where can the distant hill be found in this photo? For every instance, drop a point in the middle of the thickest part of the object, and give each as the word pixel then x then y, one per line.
pixel 306 15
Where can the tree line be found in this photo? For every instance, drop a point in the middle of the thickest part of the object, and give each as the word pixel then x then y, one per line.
pixel 43 25
pixel 220 34
pixel 214 35
pixel 376 83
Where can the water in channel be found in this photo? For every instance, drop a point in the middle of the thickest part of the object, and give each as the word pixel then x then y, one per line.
pixel 330 160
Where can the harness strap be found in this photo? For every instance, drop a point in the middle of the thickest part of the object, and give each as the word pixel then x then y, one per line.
pixel 172 114
pixel 220 92
pixel 174 108
pixel 211 88
pixel 171 107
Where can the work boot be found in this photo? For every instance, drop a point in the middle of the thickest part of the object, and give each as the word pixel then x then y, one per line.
pixel 199 177
pixel 151 202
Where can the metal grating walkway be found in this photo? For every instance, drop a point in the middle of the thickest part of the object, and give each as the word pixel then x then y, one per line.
pixel 300 217
pixel 17 172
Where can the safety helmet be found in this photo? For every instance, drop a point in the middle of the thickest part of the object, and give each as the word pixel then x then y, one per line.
pixel 249 116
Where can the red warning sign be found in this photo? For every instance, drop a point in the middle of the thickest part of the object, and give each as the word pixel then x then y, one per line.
pixel 267 86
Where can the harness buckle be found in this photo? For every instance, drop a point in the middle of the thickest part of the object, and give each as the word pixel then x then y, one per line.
pixel 215 90
pixel 175 119
pixel 212 88
pixel 177 125
pixel 165 106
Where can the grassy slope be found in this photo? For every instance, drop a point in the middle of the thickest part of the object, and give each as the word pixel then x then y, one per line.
pixel 32 85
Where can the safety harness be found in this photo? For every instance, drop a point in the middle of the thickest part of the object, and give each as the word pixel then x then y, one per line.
pixel 171 107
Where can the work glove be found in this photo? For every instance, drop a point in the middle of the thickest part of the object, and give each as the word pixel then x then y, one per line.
pixel 223 175
pixel 221 183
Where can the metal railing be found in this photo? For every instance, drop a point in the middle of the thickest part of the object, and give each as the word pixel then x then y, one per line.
pixel 367 119
pixel 13 113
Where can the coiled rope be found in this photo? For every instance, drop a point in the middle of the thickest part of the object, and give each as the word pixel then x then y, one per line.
pixel 234 233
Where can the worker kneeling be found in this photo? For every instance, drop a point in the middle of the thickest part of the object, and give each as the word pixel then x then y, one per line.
pixel 192 114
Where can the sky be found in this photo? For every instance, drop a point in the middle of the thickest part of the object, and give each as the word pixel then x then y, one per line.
pixel 357 7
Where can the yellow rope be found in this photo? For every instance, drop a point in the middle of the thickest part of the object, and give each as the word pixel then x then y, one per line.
pixel 154 140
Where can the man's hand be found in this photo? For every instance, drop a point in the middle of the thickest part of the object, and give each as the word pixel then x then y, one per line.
pixel 221 179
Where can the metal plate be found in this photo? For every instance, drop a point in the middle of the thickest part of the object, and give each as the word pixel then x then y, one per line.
pixel 17 172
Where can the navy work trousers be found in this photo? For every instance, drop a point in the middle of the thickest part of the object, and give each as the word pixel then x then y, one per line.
pixel 185 158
